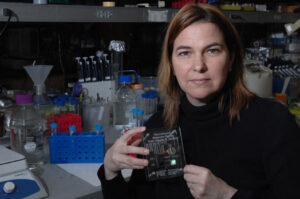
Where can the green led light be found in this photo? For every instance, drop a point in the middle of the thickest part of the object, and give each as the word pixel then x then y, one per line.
pixel 173 162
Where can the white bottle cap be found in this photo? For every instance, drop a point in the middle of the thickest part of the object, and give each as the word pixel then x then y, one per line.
pixel 9 187
pixel 30 147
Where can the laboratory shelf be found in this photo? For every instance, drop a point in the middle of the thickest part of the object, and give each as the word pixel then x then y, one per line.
pixel 27 12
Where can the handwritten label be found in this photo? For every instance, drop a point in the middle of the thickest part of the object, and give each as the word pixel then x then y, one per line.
pixel 158 16
pixel 104 14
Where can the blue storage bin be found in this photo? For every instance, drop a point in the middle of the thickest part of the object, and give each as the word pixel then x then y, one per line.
pixel 83 147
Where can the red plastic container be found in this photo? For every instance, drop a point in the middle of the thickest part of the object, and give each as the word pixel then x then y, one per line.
pixel 64 120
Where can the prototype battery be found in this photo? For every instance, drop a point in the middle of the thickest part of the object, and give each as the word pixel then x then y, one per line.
pixel 166 157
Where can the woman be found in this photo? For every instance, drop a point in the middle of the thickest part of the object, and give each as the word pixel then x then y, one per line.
pixel 237 145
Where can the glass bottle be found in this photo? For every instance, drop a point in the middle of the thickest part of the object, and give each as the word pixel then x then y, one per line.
pixel 124 102
pixel 28 131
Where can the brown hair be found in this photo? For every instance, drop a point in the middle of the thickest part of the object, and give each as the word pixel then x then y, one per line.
pixel 234 90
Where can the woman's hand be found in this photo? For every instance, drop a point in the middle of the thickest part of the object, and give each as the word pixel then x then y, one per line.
pixel 203 184
pixel 118 158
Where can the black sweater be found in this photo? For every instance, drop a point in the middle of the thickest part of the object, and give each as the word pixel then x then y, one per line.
pixel 258 155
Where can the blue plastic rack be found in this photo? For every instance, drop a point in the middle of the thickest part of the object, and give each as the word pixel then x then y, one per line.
pixel 83 147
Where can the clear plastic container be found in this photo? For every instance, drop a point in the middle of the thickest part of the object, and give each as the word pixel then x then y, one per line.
pixel 28 130
pixel 138 89
pixel 124 103
pixel 96 113
pixel 150 102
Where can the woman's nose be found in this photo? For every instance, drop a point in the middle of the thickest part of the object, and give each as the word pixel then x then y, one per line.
pixel 199 64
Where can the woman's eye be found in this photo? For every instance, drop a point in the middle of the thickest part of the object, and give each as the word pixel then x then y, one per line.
pixel 213 51
pixel 183 53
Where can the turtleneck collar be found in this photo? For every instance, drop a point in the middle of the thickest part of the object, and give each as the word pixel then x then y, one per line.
pixel 199 113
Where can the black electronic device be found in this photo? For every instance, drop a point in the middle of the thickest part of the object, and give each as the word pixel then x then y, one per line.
pixel 166 157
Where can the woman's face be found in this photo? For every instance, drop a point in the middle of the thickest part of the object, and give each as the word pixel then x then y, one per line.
pixel 200 61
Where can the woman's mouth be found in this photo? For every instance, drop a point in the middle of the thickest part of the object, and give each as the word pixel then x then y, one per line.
pixel 200 81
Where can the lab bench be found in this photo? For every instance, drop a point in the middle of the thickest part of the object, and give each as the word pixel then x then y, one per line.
pixel 61 184
pixel 72 181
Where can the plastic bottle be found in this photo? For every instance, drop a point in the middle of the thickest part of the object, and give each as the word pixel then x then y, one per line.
pixel 100 132
pixel 139 117
pixel 28 131
pixel 124 102
pixel 72 129
pixel 134 118
pixel 153 101
pixel 53 128
pixel 138 89
pixel 150 101
pixel 99 129
pixel 145 103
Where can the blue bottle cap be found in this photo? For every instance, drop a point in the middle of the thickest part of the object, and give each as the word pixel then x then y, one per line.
pixel 153 93
pixel 72 128
pixel 60 103
pixel 74 102
pixel 151 96
pixel 53 125
pixel 69 98
pixel 134 110
pixel 144 95
pixel 140 112
pixel 125 79
pixel 63 96
pixel 98 127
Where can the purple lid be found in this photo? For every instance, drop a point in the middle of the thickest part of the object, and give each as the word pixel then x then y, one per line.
pixel 24 98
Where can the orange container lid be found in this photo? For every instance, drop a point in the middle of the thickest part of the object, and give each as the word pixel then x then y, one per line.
pixel 137 86
pixel 281 97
